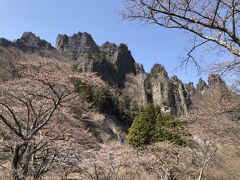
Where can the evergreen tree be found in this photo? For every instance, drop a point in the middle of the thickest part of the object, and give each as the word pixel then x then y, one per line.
pixel 152 126
pixel 142 129
pixel 167 128
pixel 159 129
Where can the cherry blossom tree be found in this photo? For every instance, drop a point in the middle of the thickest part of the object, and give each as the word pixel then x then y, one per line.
pixel 28 105
pixel 214 24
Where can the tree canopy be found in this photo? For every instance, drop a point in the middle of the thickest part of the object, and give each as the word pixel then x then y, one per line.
pixel 215 24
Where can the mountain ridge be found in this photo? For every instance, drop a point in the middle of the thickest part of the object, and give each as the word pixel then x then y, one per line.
pixel 93 126
pixel 116 65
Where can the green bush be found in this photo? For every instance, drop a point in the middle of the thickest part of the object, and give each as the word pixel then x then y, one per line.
pixel 167 128
pixel 107 102
pixel 143 127
pixel 152 126
pixel 100 98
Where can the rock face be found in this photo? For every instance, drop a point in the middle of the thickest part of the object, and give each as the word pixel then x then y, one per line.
pixel 169 94
pixel 5 43
pixel 202 85
pixel 111 62
pixel 136 88
pixel 157 88
pixel 76 45
pixel 28 43
pixel 124 63
pixel 116 66
pixel 108 49
pixel 214 80
pixel 161 88
pixel 191 90
pixel 102 67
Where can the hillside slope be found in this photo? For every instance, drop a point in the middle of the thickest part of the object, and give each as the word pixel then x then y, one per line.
pixel 87 133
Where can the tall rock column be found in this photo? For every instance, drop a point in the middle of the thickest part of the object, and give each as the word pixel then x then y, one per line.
pixel 161 91
pixel 169 94
pixel 135 85
pixel 182 99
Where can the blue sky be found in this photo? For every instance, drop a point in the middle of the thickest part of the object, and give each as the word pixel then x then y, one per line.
pixel 149 44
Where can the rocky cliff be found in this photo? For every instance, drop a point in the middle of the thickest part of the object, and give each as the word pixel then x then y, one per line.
pixel 157 88
pixel 214 82
pixel 115 64
pixel 28 43
pixel 76 45
pixel 110 61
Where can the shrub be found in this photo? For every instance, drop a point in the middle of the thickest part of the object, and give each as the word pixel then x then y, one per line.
pixel 152 126
pixel 142 129
pixel 107 102
pixel 168 128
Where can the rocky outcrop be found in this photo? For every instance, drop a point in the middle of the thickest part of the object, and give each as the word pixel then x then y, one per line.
pixel 135 87
pixel 181 97
pixel 116 66
pixel 202 85
pixel 76 45
pixel 169 94
pixel 139 68
pixel 28 43
pixel 5 43
pixel 108 49
pixel 113 63
pixel 102 67
pixel 161 88
pixel 157 88
pixel 214 80
pixel 109 61
pixel 124 63
pixel 191 90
